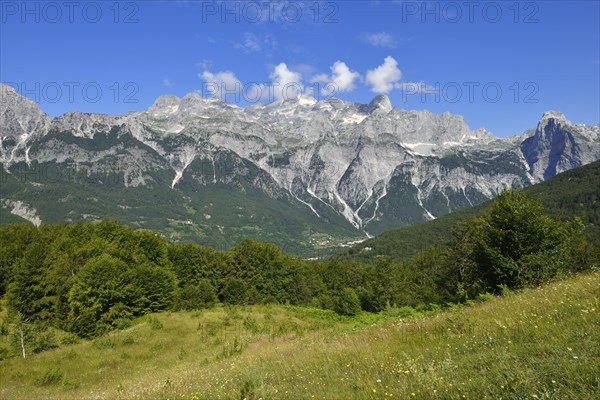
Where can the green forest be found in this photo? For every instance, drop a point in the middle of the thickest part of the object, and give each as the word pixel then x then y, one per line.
pixel 89 279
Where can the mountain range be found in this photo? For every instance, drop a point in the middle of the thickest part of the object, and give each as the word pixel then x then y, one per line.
pixel 569 195
pixel 301 173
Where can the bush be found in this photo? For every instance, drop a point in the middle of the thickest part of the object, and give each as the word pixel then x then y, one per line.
pixel 234 291
pixel 194 297
pixel 323 301
pixel 405 312
pixel 5 353
pixel 50 377
pixel 118 317
pixel 122 323
pixel 155 323
pixel 514 244
pixel 28 338
pixel 250 324
pixel 128 340
pixel 44 339
pixel 347 303
pixel 69 338
pixel 70 384
pixel 484 297
pixel 104 343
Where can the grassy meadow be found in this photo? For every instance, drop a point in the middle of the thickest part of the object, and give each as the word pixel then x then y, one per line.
pixel 533 344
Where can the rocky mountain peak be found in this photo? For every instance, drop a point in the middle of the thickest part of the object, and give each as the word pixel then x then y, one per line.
pixel 163 102
pixel 553 118
pixel 363 166
pixel 303 100
pixel 554 114
pixel 192 99
pixel 20 115
pixel 7 90
pixel 553 148
pixel 85 124
pixel 381 102
pixel 289 103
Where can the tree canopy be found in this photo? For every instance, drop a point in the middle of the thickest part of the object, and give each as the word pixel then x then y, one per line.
pixel 89 278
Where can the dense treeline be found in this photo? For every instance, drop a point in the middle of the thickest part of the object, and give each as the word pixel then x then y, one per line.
pixel 90 278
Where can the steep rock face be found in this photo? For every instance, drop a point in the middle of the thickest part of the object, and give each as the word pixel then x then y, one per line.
pixel 19 115
pixel 210 171
pixel 555 147
pixel 85 125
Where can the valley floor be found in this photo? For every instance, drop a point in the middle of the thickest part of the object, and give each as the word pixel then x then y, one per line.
pixel 535 344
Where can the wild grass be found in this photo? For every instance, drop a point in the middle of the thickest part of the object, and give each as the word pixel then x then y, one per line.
pixel 535 344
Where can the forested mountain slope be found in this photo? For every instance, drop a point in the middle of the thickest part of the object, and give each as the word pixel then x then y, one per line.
pixel 575 193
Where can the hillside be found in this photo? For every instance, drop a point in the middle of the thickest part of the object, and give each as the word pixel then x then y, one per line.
pixel 575 193
pixel 538 343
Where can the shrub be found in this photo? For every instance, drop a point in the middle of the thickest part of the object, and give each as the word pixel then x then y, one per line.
pixel 514 244
pixel 118 317
pixel 323 301
pixel 104 343
pixel 347 303
pixel 155 323
pixel 122 323
pixel 234 291
pixel 250 324
pixel 405 312
pixel 5 353
pixel 69 338
pixel 484 297
pixel 50 377
pixel 248 391
pixel 70 384
pixel 128 340
pixel 194 297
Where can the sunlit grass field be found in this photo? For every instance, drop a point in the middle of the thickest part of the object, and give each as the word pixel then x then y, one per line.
pixel 535 344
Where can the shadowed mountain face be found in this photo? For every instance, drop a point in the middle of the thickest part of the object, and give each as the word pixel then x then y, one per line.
pixel 558 145
pixel 300 173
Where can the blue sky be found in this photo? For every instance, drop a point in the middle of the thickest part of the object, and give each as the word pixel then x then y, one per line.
pixel 500 64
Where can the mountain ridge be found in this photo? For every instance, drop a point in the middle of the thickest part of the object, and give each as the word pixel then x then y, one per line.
pixel 574 194
pixel 370 167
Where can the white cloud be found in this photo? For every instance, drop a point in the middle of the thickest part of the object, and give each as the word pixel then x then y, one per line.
pixel 341 79
pixel 252 43
pixel 205 64
pixel 380 39
pixel 285 82
pixel 304 69
pixel 221 83
pixel 167 83
pixel 385 77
